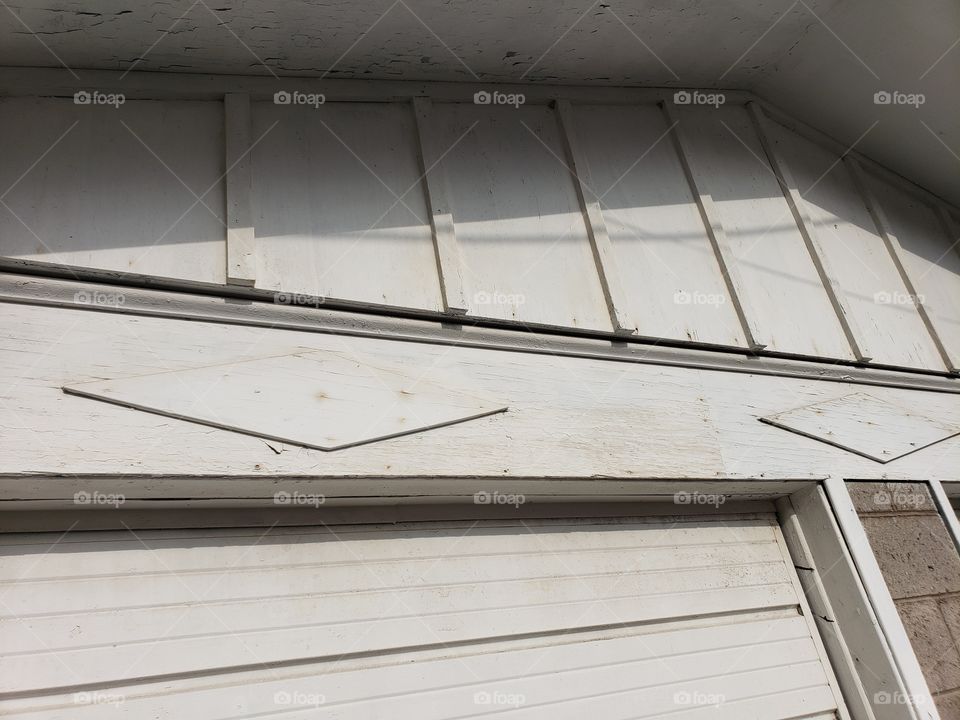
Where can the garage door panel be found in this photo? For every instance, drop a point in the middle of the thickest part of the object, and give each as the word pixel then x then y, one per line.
pixel 111 645
pixel 644 664
pixel 99 590
pixel 217 549
pixel 631 617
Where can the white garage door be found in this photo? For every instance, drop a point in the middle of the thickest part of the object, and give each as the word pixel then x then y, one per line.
pixel 590 618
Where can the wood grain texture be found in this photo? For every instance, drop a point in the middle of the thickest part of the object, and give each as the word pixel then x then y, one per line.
pixel 778 275
pixel 339 204
pixel 322 401
pixel 703 193
pixel 865 276
pixel 669 274
pixel 863 424
pixel 603 254
pixel 569 417
pixel 449 263
pixel 114 188
pixel 513 197
pixel 927 258
pixel 241 238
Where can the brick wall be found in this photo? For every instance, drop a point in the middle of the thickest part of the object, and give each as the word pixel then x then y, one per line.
pixel 920 564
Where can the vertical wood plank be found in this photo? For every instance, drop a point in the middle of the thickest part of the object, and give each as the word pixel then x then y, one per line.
pixel 449 262
pixel 797 205
pixel 717 236
pixel 911 674
pixel 896 251
pixel 596 226
pixel 241 250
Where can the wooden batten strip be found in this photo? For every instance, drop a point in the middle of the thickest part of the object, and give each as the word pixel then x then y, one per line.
pixel 896 251
pixel 717 236
pixel 449 262
pixel 241 238
pixel 801 216
pixel 596 226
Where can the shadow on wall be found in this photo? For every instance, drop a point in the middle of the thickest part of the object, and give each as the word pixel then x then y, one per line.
pixel 340 210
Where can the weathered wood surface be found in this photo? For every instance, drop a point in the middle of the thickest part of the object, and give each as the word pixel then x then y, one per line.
pixel 865 274
pixel 136 188
pixel 339 205
pixel 670 278
pixel 499 228
pixel 572 417
pixel 779 275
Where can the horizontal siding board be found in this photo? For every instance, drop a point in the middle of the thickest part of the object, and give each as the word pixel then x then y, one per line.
pixel 865 272
pixel 618 420
pixel 667 269
pixel 521 233
pixel 115 188
pixel 553 678
pixel 792 310
pixel 562 645
pixel 339 204
pixel 99 591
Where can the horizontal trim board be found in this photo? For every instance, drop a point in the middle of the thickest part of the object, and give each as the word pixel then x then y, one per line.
pixel 58 488
pixel 58 286
pixel 19 518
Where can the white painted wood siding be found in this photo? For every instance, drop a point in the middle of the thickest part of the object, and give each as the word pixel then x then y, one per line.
pixel 864 271
pixel 793 311
pixel 137 188
pixel 339 204
pixel 618 618
pixel 567 417
pixel 667 268
pixel 521 233
pixel 687 234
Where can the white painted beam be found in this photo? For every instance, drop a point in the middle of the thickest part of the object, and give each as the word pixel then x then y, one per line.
pixel 810 237
pixel 449 261
pixel 896 251
pixel 717 236
pixel 918 697
pixel 596 226
pixel 241 240
pixel 811 514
